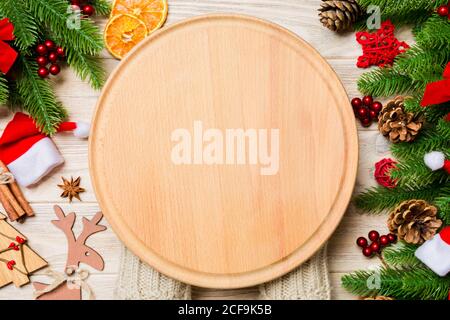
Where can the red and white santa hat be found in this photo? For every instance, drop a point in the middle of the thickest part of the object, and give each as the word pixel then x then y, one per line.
pixel 436 161
pixel 435 253
pixel 29 154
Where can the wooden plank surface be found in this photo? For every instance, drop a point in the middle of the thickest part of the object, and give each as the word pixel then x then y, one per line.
pixel 299 16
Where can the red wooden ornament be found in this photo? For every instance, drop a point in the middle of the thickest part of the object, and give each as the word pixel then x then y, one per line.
pixel 382 170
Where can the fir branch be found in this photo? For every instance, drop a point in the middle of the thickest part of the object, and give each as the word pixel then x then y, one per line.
pixel 102 7
pixel 435 34
pixel 387 82
pixel 417 283
pixel 443 204
pixel 415 175
pixel 25 28
pixel 401 255
pixel 378 199
pixel 443 129
pixel 55 15
pixel 38 97
pixel 3 90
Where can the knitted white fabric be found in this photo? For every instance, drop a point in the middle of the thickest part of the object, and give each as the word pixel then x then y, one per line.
pixel 310 281
pixel 138 281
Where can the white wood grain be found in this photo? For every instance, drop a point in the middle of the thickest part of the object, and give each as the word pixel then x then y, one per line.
pixel 299 16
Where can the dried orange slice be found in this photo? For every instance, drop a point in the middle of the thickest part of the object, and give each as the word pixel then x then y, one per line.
pixel 122 33
pixel 152 12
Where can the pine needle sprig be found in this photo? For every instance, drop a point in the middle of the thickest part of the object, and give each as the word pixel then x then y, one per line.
pixel 25 28
pixel 415 175
pixel 377 200
pixel 401 255
pixel 443 204
pixel 435 34
pixel 102 7
pixel 414 284
pixel 38 97
pixel 4 92
pixel 55 15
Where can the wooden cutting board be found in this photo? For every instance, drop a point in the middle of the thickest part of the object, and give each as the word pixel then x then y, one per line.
pixel 224 151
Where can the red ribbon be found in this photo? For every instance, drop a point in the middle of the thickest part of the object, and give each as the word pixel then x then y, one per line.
pixel 438 92
pixel 7 54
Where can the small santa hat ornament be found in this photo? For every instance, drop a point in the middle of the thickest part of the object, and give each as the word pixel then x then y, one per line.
pixel 29 154
pixel 435 253
pixel 436 160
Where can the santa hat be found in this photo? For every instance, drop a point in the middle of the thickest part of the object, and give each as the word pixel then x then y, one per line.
pixel 435 253
pixel 436 161
pixel 30 154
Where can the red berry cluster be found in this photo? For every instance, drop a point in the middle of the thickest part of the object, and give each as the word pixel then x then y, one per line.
pixel 48 54
pixel 444 10
pixel 86 8
pixel 366 110
pixel 377 242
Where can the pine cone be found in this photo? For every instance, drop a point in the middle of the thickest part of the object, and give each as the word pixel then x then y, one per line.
pixel 414 221
pixel 339 15
pixel 399 125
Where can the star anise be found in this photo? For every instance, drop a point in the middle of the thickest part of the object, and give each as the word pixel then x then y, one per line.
pixel 71 188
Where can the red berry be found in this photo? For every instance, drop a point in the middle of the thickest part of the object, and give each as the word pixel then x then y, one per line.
pixel 392 237
pixel 373 115
pixel 376 106
pixel 366 122
pixel 367 251
pixel 60 52
pixel 384 240
pixel 41 49
pixel 42 61
pixel 361 242
pixel 49 44
pixel 363 113
pixel 43 72
pixel 375 246
pixel 374 235
pixel 53 57
pixel 20 240
pixel 88 10
pixel 443 11
pixel 356 103
pixel 367 101
pixel 54 69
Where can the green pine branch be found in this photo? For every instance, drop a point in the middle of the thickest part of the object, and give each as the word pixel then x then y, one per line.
pixel 414 284
pixel 55 15
pixel 415 175
pixel 38 98
pixel 4 93
pixel 435 34
pixel 25 28
pixel 443 204
pixel 102 7
pixel 378 199
pixel 401 255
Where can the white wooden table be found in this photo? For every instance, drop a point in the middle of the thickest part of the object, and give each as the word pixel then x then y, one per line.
pixel 299 16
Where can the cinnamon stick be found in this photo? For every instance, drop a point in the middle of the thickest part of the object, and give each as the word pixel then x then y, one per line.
pixel 12 214
pixel 18 193
pixel 4 189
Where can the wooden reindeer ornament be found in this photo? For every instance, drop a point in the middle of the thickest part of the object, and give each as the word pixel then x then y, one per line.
pixel 68 286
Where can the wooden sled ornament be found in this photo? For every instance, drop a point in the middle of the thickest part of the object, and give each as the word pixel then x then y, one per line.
pixel 68 285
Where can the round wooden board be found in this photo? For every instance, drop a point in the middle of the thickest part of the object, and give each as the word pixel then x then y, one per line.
pixel 225 220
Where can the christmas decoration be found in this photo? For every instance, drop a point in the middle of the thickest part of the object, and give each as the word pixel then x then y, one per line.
pixel 379 48
pixel 29 154
pixel 435 253
pixel 378 242
pixel 438 92
pixel 7 54
pixel 435 160
pixel 339 15
pixel 48 53
pixel 443 11
pixel 71 188
pixel 398 125
pixel 11 197
pixel 414 221
pixel 382 173
pixel 131 21
pixel 17 260
pixel 70 284
pixel 366 109
pixel 23 84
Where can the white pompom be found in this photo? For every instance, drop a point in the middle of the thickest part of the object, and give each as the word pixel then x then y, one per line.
pixel 434 160
pixel 82 130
